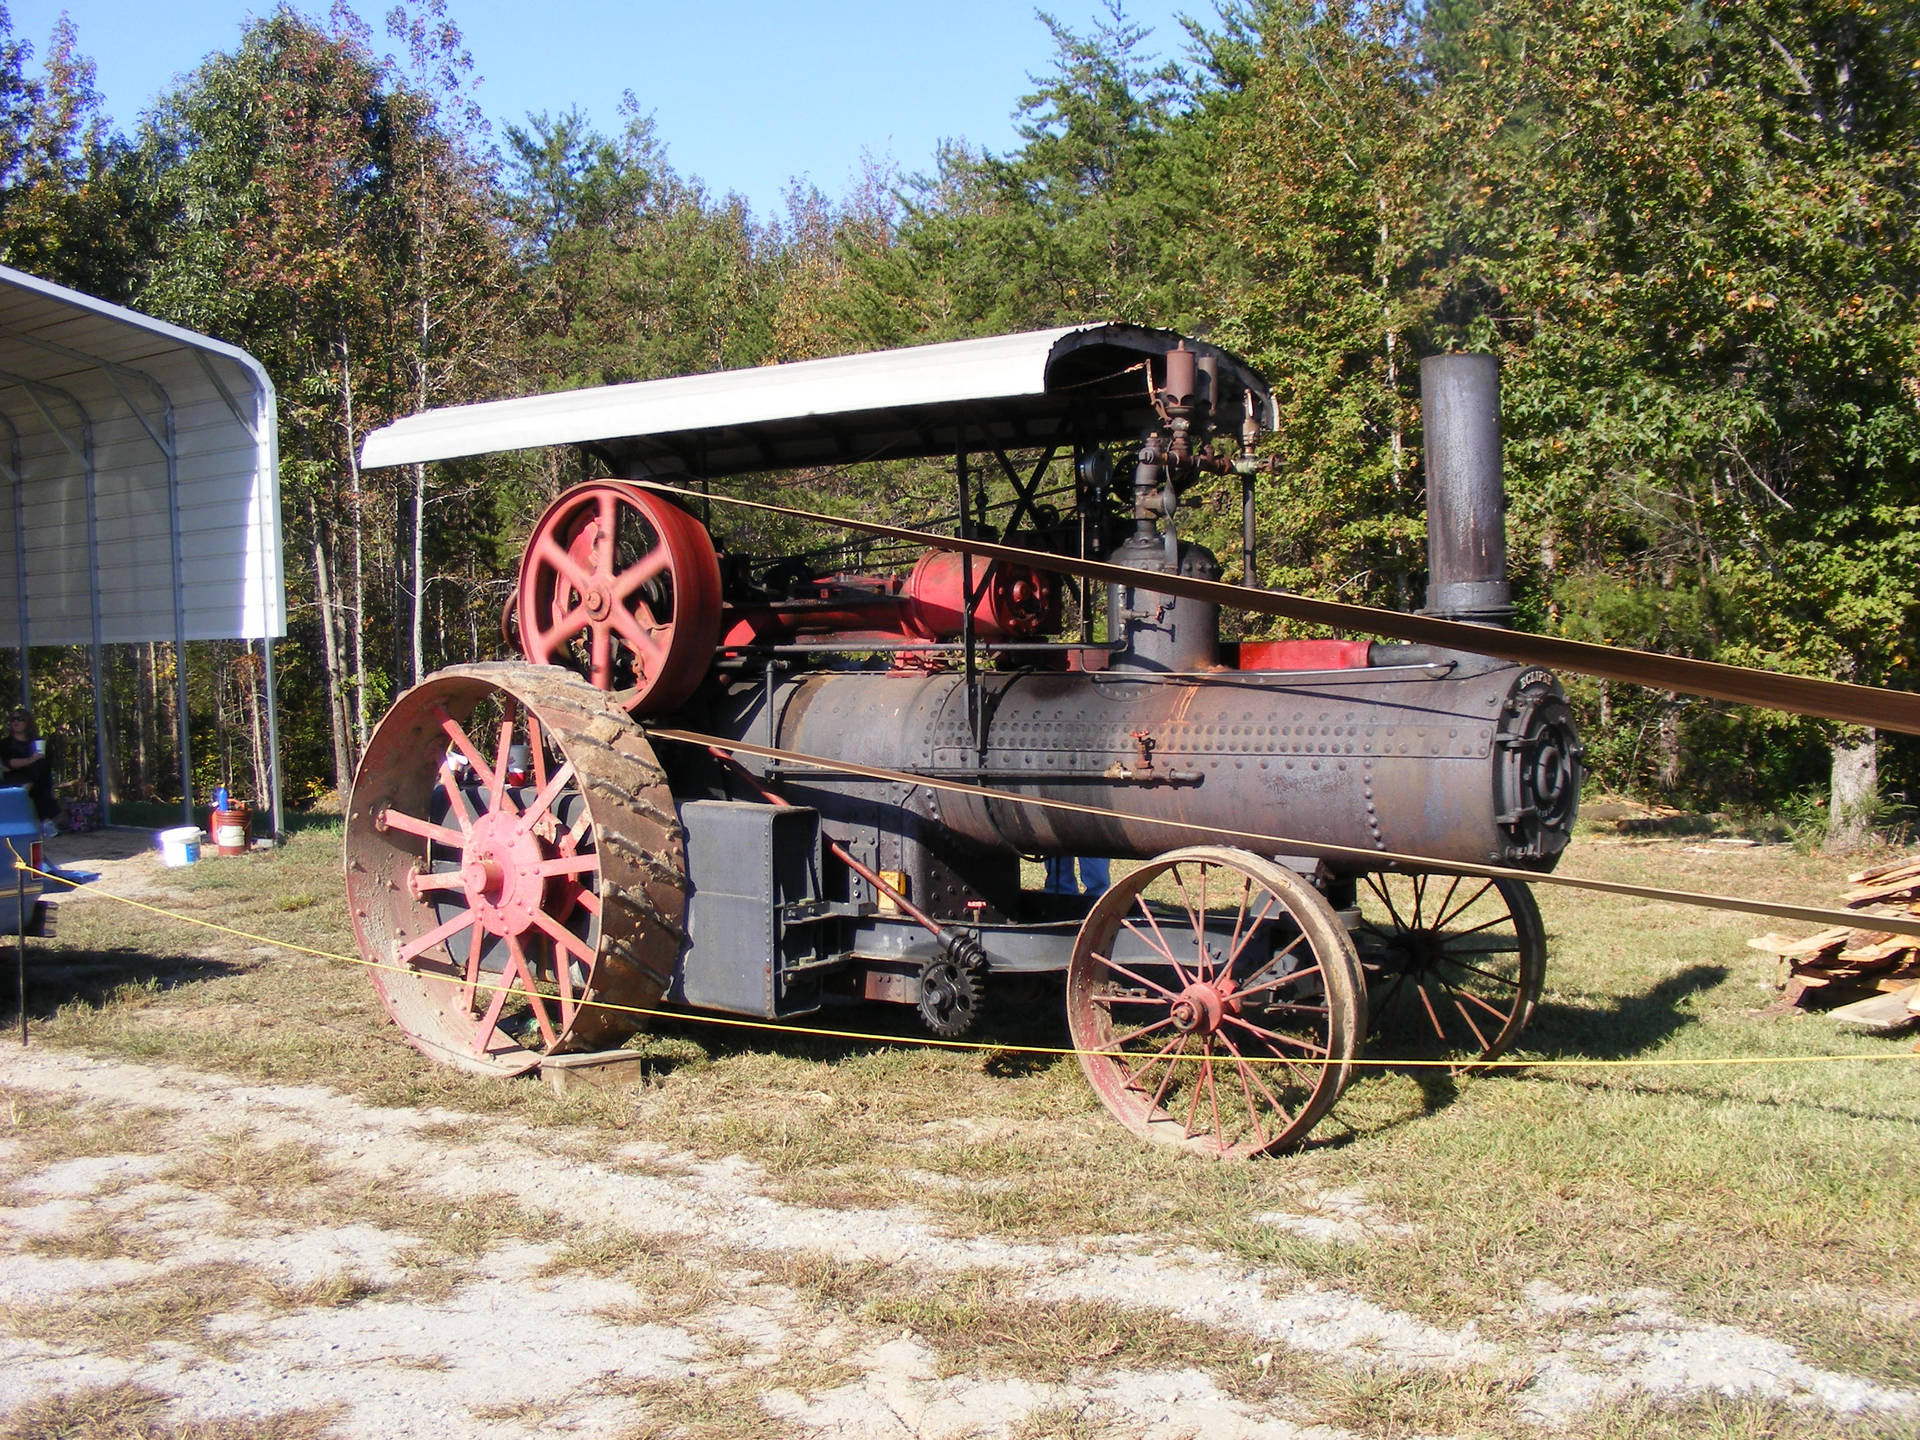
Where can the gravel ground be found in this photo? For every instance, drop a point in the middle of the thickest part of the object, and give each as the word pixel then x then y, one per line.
pixel 510 1346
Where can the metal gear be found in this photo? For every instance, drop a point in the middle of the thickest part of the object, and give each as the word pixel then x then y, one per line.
pixel 952 988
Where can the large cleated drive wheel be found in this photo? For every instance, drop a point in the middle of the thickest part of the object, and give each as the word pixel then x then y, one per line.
pixel 1454 964
pixel 514 867
pixel 1216 1003
pixel 622 586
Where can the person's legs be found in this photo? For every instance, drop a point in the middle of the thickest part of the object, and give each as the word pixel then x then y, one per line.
pixel 1095 876
pixel 39 781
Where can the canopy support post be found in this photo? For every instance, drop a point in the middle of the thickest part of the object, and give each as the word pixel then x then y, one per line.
pixel 101 750
pixel 273 744
pixel 19 496
pixel 184 740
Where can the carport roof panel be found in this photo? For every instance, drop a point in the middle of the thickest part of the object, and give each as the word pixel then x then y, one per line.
pixel 1005 390
pixel 80 377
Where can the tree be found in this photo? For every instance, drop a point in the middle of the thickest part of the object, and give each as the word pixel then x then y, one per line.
pixel 451 283
pixel 1326 165
pixel 1101 214
pixel 332 216
pixel 71 207
pixel 1689 230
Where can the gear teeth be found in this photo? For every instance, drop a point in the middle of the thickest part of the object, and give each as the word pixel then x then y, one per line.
pixel 953 988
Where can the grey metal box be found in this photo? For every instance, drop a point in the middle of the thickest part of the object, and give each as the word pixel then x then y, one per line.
pixel 755 920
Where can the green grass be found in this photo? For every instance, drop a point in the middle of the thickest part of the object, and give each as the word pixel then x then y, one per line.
pixel 1779 1198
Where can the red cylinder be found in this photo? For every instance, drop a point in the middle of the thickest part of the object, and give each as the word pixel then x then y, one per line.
pixel 1018 603
pixel 231 829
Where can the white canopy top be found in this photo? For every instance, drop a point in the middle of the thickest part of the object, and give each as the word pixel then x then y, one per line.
pixel 141 465
pixel 1085 382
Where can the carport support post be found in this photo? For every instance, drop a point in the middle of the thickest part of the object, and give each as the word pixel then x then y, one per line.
pixel 179 560
pixel 273 743
pixel 19 557
pixel 99 640
pixel 20 940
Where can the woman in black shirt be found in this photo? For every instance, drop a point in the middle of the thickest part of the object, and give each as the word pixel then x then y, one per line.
pixel 23 762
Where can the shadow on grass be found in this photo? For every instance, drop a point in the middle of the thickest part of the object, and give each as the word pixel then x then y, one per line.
pixel 1627 1025
pixel 1030 1012
pixel 59 978
pixel 1623 1027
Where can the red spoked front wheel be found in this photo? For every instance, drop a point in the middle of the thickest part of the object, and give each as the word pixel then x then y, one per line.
pixel 1216 1002
pixel 509 906
pixel 621 586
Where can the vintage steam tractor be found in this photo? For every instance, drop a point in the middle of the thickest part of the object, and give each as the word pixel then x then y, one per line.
pixel 764 786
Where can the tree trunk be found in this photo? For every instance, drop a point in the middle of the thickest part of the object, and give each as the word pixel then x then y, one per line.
pixel 222 732
pixel 254 670
pixel 415 572
pixel 1670 760
pixel 1854 791
pixel 143 708
pixel 169 707
pixel 355 508
pixel 337 723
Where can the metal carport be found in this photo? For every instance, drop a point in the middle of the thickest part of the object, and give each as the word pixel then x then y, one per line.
pixel 142 468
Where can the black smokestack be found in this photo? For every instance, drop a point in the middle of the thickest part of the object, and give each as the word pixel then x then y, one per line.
pixel 1466 498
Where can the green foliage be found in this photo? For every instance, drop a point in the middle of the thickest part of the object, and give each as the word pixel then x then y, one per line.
pixel 1100 215
pixel 71 208
pixel 1322 155
pixel 1686 227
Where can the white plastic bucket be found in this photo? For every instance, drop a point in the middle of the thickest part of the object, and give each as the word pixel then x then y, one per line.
pixel 179 846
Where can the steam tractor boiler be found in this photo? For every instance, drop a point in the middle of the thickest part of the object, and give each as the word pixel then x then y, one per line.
pixel 727 777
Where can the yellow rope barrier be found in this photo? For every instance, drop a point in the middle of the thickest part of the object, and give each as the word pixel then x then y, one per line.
pixel 993 1047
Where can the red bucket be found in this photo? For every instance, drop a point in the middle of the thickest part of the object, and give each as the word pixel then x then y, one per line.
pixel 231 829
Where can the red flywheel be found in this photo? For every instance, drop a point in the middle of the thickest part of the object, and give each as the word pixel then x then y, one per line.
pixel 622 586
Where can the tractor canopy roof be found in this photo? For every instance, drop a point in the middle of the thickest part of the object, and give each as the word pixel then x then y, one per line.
pixel 1083 384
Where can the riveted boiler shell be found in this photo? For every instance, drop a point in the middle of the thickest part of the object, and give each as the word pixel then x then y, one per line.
pixel 1410 760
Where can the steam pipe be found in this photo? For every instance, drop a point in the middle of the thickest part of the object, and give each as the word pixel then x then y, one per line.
pixel 1466 498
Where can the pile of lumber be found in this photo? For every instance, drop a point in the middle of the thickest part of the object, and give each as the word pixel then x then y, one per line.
pixel 1872 976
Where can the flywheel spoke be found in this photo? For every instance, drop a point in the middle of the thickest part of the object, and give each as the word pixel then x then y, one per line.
pixel 623 587
pixel 569 570
pixel 639 573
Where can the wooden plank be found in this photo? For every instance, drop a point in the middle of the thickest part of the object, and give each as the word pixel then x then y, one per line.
pixel 1891 870
pixel 1880 1014
pixel 1801 949
pixel 1867 894
pixel 1875 949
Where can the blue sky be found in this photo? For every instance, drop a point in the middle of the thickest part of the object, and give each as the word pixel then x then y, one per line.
pixel 746 94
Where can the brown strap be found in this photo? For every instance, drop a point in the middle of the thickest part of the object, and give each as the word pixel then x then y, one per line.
pixel 1798 694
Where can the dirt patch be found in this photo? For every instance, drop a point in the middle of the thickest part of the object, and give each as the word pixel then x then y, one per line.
pixel 253 1250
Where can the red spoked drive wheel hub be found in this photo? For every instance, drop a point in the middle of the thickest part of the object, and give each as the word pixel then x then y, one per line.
pixel 621 586
pixel 1216 1002
pixel 509 908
